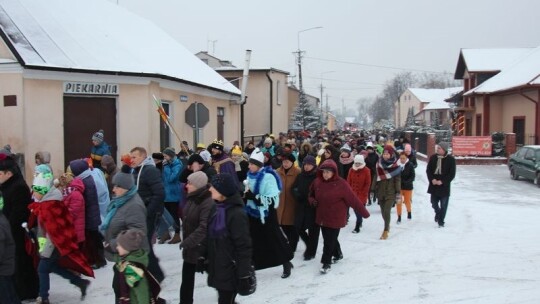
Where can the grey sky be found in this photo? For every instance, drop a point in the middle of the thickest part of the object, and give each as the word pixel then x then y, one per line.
pixel 412 34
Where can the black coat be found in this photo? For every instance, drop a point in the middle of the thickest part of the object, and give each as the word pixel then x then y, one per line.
pixel 207 169
pixel 7 248
pixel 407 176
pixel 448 172
pixel 17 197
pixel 229 257
pixel 150 190
pixel 305 212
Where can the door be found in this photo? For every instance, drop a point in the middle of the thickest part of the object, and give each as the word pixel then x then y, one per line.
pixel 83 116
pixel 519 129
pixel 468 127
pixel 478 125
pixel 220 122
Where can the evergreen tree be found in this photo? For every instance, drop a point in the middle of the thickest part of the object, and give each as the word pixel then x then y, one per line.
pixel 305 115
pixel 410 117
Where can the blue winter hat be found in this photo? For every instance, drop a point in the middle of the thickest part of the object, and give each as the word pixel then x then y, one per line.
pixel 310 160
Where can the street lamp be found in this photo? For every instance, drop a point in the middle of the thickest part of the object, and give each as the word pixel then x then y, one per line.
pixel 299 52
pixel 309 29
pixel 322 112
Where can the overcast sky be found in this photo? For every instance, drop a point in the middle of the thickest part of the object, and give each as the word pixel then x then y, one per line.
pixel 362 43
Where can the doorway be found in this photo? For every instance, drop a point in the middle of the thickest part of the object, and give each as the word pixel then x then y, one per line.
pixel 220 122
pixel 519 129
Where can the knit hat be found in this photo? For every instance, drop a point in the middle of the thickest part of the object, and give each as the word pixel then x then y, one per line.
pixel 195 158
pixel 198 179
pixel 290 157
pixel 130 240
pixel 444 145
pixel 216 144
pixel 124 178
pixel 390 149
pixel 6 150
pixel 224 184
pixel 359 161
pixel 257 158
pixel 98 136
pixel 7 163
pixel 310 160
pixel 236 150
pixel 43 179
pixel 78 166
pixel 169 151
pixel 158 156
pixel 267 140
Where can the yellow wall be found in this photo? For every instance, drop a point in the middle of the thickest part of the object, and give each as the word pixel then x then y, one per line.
pixel 5 52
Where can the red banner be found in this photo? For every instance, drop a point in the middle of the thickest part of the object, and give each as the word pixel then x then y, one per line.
pixel 471 145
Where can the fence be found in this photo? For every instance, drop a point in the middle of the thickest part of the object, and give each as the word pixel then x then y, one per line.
pixel 254 138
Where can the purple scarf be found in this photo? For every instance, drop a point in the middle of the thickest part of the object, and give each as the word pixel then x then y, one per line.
pixel 218 225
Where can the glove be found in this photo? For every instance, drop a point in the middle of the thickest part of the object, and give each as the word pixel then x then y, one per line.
pixel 201 265
pixel 398 198
pixel 249 195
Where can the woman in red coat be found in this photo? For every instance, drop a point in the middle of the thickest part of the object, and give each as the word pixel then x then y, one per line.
pixel 74 201
pixel 333 196
pixel 359 178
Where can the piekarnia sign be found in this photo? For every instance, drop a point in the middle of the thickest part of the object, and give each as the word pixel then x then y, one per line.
pixel 91 88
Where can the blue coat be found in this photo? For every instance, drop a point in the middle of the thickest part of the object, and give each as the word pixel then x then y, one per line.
pixel 171 180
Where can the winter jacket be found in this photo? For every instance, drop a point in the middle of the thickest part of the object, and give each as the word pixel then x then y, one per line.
pixel 74 201
pixel 7 248
pixel 97 153
pixel 130 215
pixel 171 184
pixel 138 259
pixel 150 185
pixel 345 165
pixel 229 257
pixel 407 176
pixel 305 212
pixel 360 182
pixel 195 223
pixel 448 172
pixel 371 162
pixel 389 187
pixel 222 163
pixel 287 201
pixel 91 207
pixel 333 197
pixel 102 189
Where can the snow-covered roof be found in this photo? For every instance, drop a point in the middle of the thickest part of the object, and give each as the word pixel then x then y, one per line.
pixel 434 95
pixel 436 105
pixel 99 36
pixel 228 68
pixel 525 71
pixel 487 60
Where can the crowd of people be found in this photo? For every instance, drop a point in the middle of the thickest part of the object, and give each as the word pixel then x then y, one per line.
pixel 232 210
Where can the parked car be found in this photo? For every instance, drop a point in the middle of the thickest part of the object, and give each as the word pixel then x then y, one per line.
pixel 526 163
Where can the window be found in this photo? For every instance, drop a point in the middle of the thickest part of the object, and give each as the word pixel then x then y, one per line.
pixel 278 100
pixel 521 152
pixel 530 154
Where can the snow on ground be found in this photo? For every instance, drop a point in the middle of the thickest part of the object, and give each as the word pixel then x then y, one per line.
pixel 487 253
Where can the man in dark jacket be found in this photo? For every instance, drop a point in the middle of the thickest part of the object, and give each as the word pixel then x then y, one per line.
pixel 15 196
pixel 150 189
pixel 196 163
pixel 441 170
pixel 7 262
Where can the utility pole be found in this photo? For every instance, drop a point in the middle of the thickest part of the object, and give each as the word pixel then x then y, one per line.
pixel 321 118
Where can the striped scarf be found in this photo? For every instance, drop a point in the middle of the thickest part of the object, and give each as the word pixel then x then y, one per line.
pixel 387 169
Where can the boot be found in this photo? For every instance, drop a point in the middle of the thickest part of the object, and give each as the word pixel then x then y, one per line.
pixel 384 235
pixel 325 268
pixel 287 270
pixel 356 229
pixel 39 300
pixel 83 286
pixel 165 237
pixel 409 215
pixel 399 219
pixel 176 238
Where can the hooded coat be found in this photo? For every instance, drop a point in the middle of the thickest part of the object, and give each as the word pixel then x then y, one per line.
pixel 171 180
pixel 74 201
pixel 195 223
pixel 333 197
pixel 360 181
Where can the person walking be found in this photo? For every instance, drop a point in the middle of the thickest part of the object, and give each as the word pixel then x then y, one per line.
pixel 388 185
pixel 172 167
pixel 333 196
pixel 372 159
pixel 407 179
pixel 150 188
pixel 305 212
pixel 441 170
pixel 229 243
pixel 359 178
pixel 270 246
pixel 15 197
pixel 287 207
pixel 195 218
pixel 7 262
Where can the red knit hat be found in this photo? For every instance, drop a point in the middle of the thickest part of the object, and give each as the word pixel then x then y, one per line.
pixel 390 149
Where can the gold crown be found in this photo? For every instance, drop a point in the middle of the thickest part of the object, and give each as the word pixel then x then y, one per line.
pixel 218 142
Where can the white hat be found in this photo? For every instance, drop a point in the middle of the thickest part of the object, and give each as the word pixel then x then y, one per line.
pixel 320 152
pixel 257 157
pixel 359 159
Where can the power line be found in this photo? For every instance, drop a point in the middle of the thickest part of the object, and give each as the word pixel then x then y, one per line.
pixel 344 81
pixel 374 65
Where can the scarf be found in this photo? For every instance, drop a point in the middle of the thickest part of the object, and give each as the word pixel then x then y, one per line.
pixel 387 169
pixel 115 204
pixel 346 160
pixel 356 168
pixel 218 225
pixel 438 170
pixel 266 185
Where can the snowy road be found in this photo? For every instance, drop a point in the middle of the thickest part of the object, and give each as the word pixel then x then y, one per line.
pixel 487 253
